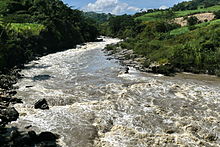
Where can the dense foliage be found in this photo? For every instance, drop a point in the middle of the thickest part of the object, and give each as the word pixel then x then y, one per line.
pixel 193 48
pixel 195 4
pixel 121 26
pixel 35 27
pixel 98 17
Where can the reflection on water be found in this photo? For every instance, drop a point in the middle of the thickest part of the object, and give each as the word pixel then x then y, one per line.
pixel 92 103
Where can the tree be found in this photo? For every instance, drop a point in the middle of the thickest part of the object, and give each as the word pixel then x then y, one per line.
pixel 192 20
pixel 217 14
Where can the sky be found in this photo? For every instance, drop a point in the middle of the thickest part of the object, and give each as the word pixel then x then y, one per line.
pixel 120 6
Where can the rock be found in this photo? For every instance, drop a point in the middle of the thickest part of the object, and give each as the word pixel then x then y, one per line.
pixel 27 127
pixel 170 131
pixel 211 137
pixel 4 105
pixel 32 135
pixel 110 58
pixel 78 46
pixel 7 81
pixel 14 134
pixel 41 77
pixel 41 104
pixel 127 62
pixel 9 114
pixel 4 101
pixel 23 141
pixel 47 136
pixel 15 101
pixel 99 40
pixel 126 70
pixel 28 86
pixel 12 93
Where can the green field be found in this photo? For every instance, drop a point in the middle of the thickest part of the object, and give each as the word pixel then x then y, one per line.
pixel 189 12
pixel 149 16
pixel 156 15
pixel 34 29
pixel 185 29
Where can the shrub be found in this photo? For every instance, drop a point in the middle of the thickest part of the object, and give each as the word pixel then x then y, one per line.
pixel 217 73
pixel 217 14
pixel 192 20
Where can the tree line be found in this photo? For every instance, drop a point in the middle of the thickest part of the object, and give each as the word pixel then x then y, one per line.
pixel 64 27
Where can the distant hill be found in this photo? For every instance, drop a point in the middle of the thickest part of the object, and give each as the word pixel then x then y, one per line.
pixel 177 13
pixel 98 17
pixel 195 4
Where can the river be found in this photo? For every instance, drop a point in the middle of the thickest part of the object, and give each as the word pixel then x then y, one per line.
pixel 93 103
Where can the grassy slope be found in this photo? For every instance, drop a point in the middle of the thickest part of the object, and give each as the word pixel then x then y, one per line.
pixel 185 29
pixel 181 42
pixel 156 15
pixel 167 46
pixel 33 29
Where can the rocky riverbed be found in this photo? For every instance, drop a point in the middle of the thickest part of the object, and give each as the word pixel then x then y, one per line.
pixel 127 58
pixel 11 136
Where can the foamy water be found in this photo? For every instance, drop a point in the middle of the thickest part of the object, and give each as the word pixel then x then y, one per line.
pixel 92 103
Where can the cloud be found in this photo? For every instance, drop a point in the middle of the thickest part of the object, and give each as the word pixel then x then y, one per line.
pixel 163 7
pixel 110 6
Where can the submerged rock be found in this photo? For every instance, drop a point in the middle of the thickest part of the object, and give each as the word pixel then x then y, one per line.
pixel 41 104
pixel 28 86
pixel 47 136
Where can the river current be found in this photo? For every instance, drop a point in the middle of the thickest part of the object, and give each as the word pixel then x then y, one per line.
pixel 94 104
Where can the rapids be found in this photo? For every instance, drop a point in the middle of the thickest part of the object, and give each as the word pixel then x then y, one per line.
pixel 92 103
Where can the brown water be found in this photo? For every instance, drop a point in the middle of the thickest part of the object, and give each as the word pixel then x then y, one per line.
pixel 92 103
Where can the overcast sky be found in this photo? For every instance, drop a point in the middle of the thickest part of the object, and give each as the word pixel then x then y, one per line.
pixel 119 6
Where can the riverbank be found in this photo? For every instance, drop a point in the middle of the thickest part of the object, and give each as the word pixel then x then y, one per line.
pixel 129 58
pixel 10 135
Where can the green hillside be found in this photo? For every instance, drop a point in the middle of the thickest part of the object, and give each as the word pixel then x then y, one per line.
pixel 98 17
pixel 195 4
pixel 172 48
pixel 157 15
pixel 30 28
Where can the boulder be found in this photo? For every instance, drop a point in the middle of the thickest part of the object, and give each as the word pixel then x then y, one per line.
pixel 47 136
pixel 32 135
pixel 126 70
pixel 14 134
pixel 9 114
pixel 23 141
pixel 41 104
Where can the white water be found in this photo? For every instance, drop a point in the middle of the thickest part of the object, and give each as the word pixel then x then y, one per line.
pixel 93 104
